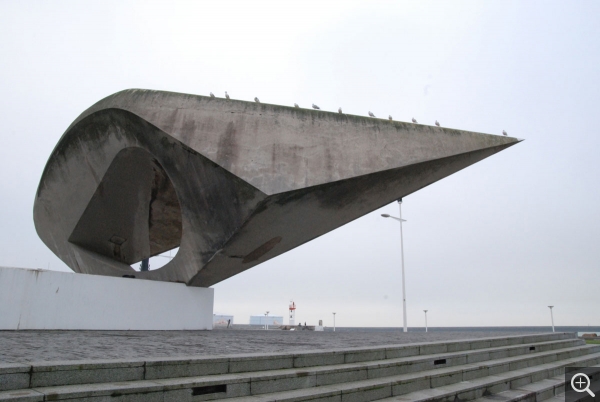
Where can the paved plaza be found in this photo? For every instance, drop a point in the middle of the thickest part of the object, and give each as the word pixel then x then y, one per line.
pixel 29 346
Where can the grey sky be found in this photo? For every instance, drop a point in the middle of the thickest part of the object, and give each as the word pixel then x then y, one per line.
pixel 491 245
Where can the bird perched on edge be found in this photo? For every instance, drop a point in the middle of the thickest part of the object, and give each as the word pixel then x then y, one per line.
pixel 504 132
pixel 296 105
pixel 371 114
pixel 316 107
pixel 437 123
pixel 212 95
pixel 226 95
pixel 256 100
pixel 414 120
pixel 339 110
pixel 390 117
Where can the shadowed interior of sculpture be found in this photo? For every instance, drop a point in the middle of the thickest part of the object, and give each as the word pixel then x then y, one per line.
pixel 134 213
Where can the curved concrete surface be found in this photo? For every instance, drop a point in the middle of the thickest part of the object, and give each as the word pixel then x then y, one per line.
pixel 232 183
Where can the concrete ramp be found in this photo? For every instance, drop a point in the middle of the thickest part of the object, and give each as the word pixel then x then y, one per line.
pixel 231 183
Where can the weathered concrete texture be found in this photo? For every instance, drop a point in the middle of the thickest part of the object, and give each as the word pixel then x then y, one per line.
pixel 534 371
pixel 232 183
pixel 171 347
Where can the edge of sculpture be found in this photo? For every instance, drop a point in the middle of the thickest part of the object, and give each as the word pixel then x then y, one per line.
pixel 232 183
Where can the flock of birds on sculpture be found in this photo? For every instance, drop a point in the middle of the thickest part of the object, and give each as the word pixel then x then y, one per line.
pixel 371 114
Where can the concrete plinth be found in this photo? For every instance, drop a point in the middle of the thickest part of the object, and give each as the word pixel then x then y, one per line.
pixel 36 299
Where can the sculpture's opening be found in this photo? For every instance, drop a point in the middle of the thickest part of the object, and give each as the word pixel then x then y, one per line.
pixel 157 261
pixel 134 214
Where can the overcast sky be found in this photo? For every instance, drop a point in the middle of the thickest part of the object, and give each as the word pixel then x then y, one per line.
pixel 492 245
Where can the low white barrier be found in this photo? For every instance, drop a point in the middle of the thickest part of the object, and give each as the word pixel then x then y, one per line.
pixel 37 299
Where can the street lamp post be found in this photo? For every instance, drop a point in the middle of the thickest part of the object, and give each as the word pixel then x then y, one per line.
pixel 267 320
pixel 551 317
pixel 402 259
pixel 425 319
pixel 333 322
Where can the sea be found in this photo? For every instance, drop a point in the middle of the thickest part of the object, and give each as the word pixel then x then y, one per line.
pixel 583 329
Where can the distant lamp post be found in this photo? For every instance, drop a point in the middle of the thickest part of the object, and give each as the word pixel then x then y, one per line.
pixel 402 259
pixel 267 320
pixel 551 317
pixel 333 322
pixel 425 319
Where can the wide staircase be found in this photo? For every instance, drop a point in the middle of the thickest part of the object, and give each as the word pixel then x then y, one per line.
pixel 516 368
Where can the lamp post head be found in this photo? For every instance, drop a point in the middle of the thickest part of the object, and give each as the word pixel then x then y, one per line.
pixel 393 217
pixel 550 307
pixel 425 311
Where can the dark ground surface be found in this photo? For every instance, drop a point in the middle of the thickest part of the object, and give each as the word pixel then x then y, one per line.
pixel 23 346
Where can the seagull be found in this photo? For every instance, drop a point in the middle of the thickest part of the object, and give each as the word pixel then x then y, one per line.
pixel 504 132
pixel 414 120
pixel 212 95
pixel 316 107
pixel 256 100
pixel 340 110
pixel 371 114
pixel 226 95
pixel 437 123
pixel 390 117
pixel 296 105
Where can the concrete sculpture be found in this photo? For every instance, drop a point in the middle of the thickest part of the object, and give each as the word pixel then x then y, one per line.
pixel 231 183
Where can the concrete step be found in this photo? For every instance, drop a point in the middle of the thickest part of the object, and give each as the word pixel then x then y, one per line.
pixel 519 387
pixel 559 391
pixel 420 386
pixel 416 357
pixel 551 389
pixel 325 381
pixel 303 384
pixel 534 392
pixel 530 384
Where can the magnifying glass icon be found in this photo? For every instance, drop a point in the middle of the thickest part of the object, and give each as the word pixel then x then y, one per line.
pixel 580 384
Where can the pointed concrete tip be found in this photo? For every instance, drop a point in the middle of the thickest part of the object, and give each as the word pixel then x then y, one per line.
pixel 289 175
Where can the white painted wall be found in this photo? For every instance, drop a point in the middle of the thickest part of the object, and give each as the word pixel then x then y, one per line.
pixel 37 299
